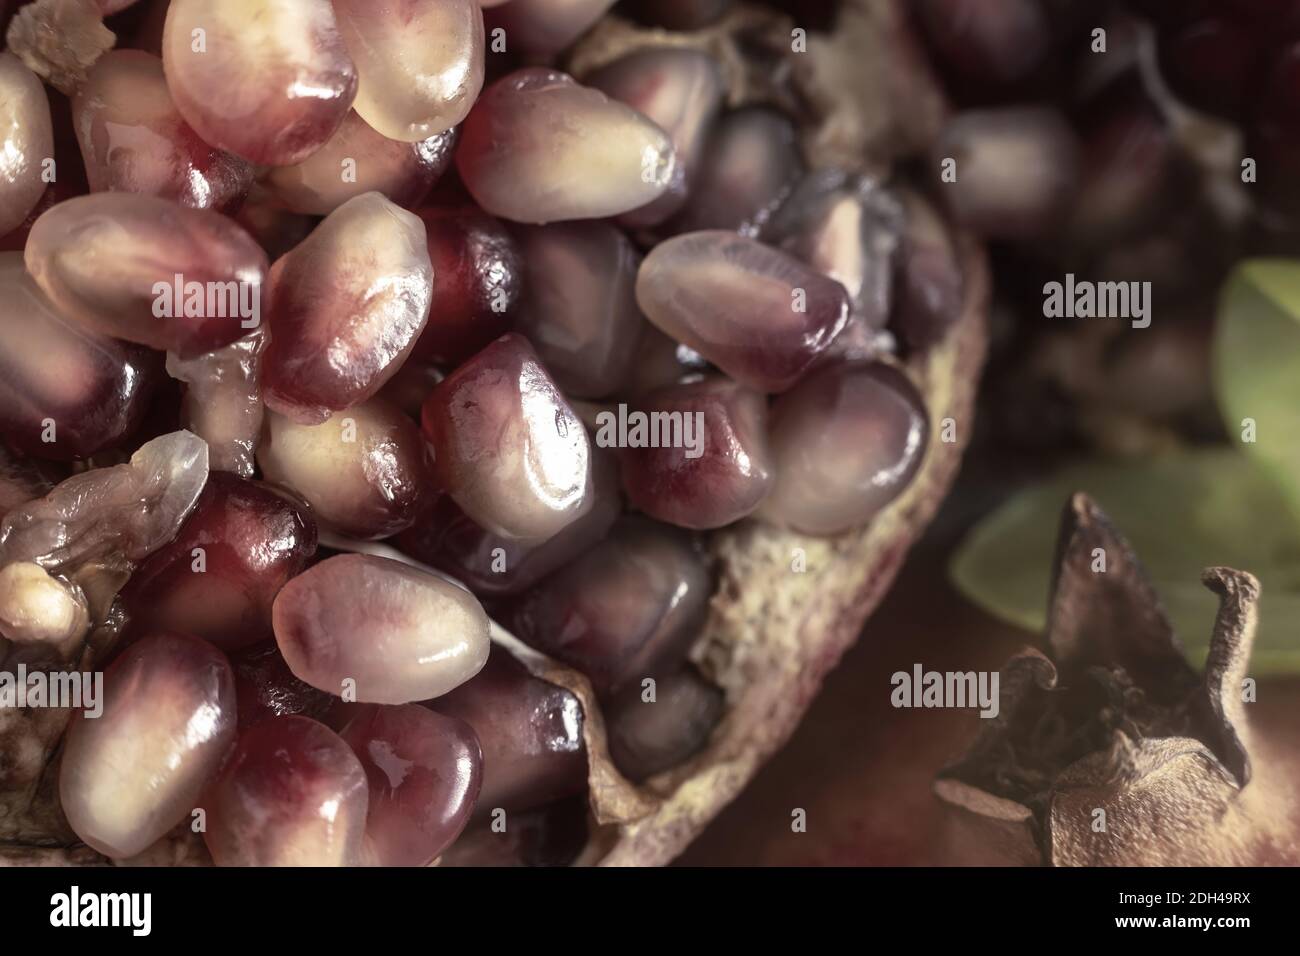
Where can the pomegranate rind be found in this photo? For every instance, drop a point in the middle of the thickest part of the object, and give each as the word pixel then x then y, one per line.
pixel 774 634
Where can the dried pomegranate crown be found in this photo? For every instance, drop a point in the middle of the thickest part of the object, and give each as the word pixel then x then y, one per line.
pixel 1113 750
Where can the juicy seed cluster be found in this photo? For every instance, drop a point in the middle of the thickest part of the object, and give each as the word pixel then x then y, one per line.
pixel 403 358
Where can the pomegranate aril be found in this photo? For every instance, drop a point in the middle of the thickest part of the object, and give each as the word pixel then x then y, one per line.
pixel 217 578
pixel 1132 169
pixel 268 80
pixel 628 609
pixel 648 737
pixel 358 160
pixel 477 283
pixel 1016 170
pixel 580 310
pixel 26 141
pixel 65 393
pixel 849 229
pixel 749 166
pixel 291 794
pixel 1214 63
pixel 395 633
pixel 681 90
pixel 718 472
pixel 539 148
pixel 987 45
pixel 930 281
pixel 68 172
pixel 530 731
pixel 491 565
pixel 424 771
pixel 545 26
pixel 845 442
pixel 419 62
pixel 266 688
pixel 223 400
pixel 365 472
pixel 507 446
pixel 146 270
pixel 757 313
pixel 38 608
pixel 133 140
pixel 120 514
pixel 347 305
pixel 135 771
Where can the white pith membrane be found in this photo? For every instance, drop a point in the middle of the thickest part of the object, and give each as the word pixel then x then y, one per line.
pixel 773 633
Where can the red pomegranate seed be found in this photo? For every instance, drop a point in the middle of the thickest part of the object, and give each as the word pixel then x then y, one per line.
pixel 507 446
pixel 930 292
pixel 628 609
pixel 266 688
pixel 364 471
pixel 1133 170
pixel 218 576
pixel 681 90
pixel 128 511
pixel 132 773
pixel 649 737
pixel 424 771
pixel 223 400
pixel 1215 63
pixel 751 163
pixel 845 443
pixel 989 43
pixel 65 393
pixel 580 310
pixel 133 140
pixel 718 472
pixel 146 270
pixel 491 565
pixel 757 313
pixel 849 229
pixel 530 731
pixel 1015 170
pixel 268 80
pixel 477 283
pixel 420 62
pixel 538 148
pixel 347 305
pixel 358 160
pixel 545 26
pixel 26 141
pixel 291 794
pixel 394 633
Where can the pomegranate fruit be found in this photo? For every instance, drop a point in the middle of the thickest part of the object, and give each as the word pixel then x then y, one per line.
pixel 624 382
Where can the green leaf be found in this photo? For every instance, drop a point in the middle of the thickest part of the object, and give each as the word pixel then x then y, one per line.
pixel 1181 513
pixel 1257 365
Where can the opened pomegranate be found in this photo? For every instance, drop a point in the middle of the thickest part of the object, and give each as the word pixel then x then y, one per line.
pixel 506 511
